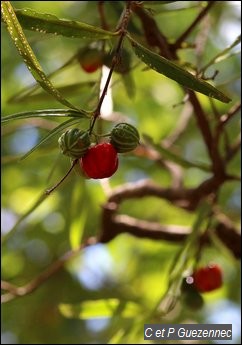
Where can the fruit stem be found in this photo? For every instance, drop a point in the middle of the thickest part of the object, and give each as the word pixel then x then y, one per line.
pixel 48 191
pixel 122 30
pixel 103 135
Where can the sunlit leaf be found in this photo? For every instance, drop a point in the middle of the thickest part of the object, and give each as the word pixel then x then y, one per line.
pixel 78 223
pixel 99 309
pixel 50 113
pixel 48 23
pixel 26 52
pixel 89 309
pixel 175 72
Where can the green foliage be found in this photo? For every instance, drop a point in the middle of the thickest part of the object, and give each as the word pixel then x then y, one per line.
pixel 27 53
pixel 47 23
pixel 173 71
pixel 75 289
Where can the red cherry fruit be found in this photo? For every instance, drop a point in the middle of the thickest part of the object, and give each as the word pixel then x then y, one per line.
pixel 208 278
pixel 100 161
pixel 91 60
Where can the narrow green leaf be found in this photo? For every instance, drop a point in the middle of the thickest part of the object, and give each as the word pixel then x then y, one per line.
pixel 184 260
pixel 117 337
pixel 27 91
pixel 175 72
pixel 223 54
pixel 167 154
pixel 38 202
pixel 26 52
pixel 129 84
pixel 50 24
pixel 67 90
pixel 51 134
pixel 51 113
pixel 184 254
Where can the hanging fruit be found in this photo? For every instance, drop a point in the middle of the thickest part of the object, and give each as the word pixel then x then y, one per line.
pixel 124 137
pixel 208 278
pixel 90 59
pixel 74 142
pixel 100 161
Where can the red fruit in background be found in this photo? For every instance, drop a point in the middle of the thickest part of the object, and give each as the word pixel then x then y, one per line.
pixel 100 161
pixel 208 278
pixel 90 60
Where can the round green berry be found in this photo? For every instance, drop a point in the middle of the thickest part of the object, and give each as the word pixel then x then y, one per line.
pixel 124 137
pixel 74 142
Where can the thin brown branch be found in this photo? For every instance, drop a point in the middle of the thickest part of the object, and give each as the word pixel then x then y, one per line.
pixel 146 188
pixel 104 24
pixel 14 291
pixel 176 172
pixel 153 34
pixel 49 191
pixel 202 121
pixel 141 228
pixel 186 198
pixel 203 125
pixel 192 26
pixel 224 119
pixel 181 126
pixel 114 225
pixel 220 130
pixel 233 149
pixel 201 40
pixel 122 27
pixel 228 234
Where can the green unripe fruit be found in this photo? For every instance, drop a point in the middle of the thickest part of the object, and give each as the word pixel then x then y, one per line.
pixel 193 300
pixel 124 137
pixel 74 142
pixel 190 297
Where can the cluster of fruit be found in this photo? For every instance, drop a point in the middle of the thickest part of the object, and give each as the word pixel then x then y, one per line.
pixel 203 279
pixel 99 160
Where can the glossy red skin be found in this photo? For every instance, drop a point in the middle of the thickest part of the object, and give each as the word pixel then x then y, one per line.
pixel 208 278
pixel 100 161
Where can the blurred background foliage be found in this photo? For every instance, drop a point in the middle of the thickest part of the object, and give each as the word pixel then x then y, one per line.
pixel 127 268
